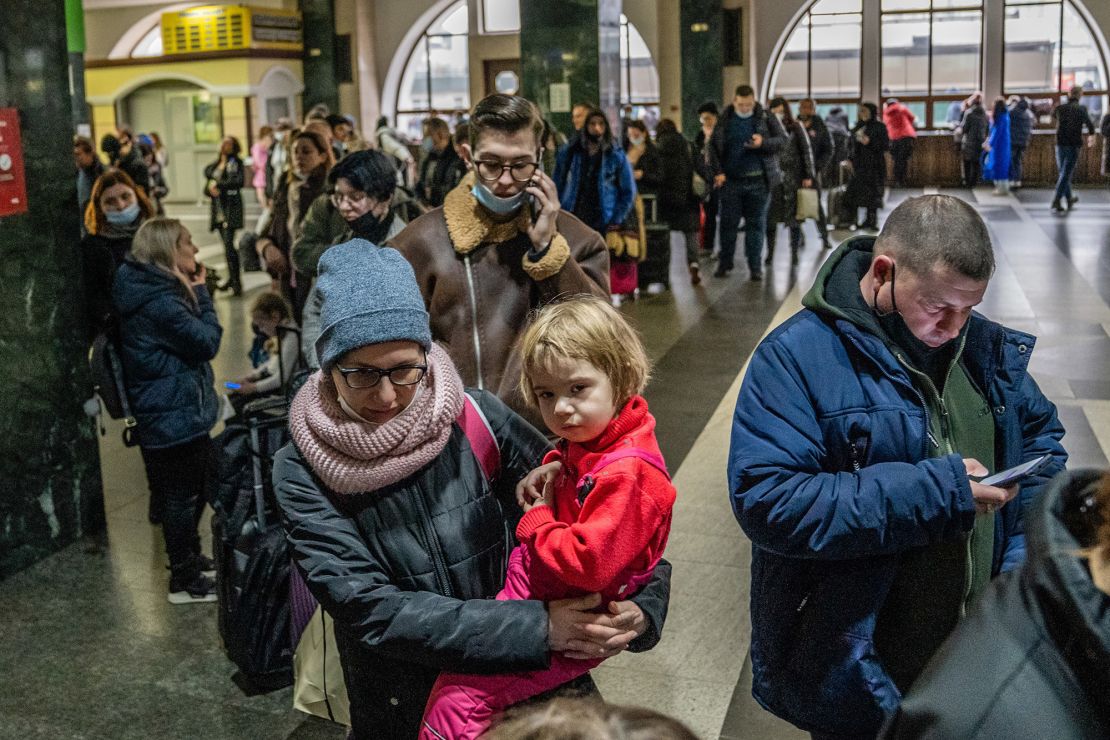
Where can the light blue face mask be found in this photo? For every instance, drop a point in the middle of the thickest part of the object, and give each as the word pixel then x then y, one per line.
pixel 495 204
pixel 427 144
pixel 124 217
pixel 749 114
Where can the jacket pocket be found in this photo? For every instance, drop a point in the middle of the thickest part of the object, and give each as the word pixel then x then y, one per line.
pixel 848 440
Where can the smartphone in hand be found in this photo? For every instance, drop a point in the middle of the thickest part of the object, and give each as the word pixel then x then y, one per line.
pixel 1016 474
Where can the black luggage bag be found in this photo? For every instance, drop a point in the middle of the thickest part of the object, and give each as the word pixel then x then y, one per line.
pixel 252 555
pixel 656 266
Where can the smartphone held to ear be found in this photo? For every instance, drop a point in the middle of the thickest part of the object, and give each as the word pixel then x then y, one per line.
pixel 534 208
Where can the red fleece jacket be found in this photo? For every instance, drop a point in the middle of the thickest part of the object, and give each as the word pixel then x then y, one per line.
pixel 621 528
pixel 899 122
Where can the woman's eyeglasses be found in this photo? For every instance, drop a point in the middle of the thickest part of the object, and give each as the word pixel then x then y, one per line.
pixel 367 377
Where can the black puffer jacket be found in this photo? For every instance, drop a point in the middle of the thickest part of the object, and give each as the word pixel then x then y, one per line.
pixel 1032 660
pixel 409 572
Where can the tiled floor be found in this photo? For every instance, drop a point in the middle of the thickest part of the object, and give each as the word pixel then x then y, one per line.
pixel 89 648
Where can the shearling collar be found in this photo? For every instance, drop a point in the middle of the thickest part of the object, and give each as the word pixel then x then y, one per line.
pixel 469 225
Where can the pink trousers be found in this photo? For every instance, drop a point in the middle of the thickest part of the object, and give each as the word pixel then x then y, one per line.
pixel 462 705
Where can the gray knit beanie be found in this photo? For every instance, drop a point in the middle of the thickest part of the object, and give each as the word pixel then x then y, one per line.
pixel 369 296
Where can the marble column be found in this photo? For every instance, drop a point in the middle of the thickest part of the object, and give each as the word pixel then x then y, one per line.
pixel 50 490
pixel 320 84
pixel 571 42
pixel 702 57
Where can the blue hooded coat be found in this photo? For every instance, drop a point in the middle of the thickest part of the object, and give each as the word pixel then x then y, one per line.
pixel 615 183
pixel 166 344
pixel 830 476
pixel 997 165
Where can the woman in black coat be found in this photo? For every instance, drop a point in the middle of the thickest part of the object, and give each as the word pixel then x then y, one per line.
pixel 798 171
pixel 224 179
pixel 116 210
pixel 974 131
pixel 399 533
pixel 1032 659
pixel 678 205
pixel 868 156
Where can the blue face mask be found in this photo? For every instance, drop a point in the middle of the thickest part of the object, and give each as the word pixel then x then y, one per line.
pixel 749 114
pixel 495 204
pixel 427 144
pixel 124 217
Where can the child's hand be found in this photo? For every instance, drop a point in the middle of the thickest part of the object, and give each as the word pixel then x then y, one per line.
pixel 531 491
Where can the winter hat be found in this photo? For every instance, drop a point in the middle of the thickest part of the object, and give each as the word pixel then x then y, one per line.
pixel 369 296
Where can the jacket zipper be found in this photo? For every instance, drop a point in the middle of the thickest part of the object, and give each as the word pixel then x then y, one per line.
pixel 474 319
pixel 434 549
pixel 969 570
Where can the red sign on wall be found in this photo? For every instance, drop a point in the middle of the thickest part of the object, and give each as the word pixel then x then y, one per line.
pixel 13 185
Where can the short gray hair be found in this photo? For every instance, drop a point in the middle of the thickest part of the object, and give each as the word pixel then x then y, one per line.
pixel 928 230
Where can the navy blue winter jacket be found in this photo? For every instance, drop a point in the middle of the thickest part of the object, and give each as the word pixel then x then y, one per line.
pixel 820 395
pixel 166 345
pixel 615 183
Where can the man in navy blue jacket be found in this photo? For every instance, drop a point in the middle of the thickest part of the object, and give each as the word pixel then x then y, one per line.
pixel 857 429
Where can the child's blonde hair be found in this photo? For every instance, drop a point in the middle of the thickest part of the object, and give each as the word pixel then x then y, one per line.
pixel 587 718
pixel 588 328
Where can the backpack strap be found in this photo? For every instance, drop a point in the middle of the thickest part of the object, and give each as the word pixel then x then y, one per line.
pixel 587 482
pixel 479 434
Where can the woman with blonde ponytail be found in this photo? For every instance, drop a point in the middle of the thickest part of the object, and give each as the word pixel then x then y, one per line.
pixel 168 334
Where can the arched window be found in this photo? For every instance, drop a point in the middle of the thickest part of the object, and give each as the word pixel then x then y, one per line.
pixel 1049 48
pixel 639 77
pixel 437 76
pixel 821 57
pixel 931 55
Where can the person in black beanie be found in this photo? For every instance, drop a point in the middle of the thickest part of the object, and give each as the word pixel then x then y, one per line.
pixel 358 204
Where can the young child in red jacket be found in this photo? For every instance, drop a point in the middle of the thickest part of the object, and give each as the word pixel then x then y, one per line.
pixel 597 512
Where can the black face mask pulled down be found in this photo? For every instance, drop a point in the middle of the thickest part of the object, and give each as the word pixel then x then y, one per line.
pixel 933 361
pixel 371 228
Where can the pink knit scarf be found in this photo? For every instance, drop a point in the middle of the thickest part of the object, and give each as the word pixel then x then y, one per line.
pixel 351 458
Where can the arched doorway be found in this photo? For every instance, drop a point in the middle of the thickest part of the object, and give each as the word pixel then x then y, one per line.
pixel 187 117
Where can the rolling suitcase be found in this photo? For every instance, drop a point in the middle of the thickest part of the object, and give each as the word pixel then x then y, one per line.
pixel 840 213
pixel 252 562
pixel 656 265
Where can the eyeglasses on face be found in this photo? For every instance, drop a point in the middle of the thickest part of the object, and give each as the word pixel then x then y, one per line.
pixel 359 378
pixel 490 170
pixel 356 198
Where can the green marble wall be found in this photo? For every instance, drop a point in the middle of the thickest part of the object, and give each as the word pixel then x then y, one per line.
pixel 575 42
pixel 50 492
pixel 702 57
pixel 320 85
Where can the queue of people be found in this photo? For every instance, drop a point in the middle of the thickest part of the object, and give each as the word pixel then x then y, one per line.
pixel 433 353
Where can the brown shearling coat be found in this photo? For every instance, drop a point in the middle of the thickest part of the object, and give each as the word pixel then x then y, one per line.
pixel 479 285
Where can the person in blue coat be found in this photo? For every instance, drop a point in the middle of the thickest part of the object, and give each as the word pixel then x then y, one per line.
pixel 997 165
pixel 168 333
pixel 857 429
pixel 593 176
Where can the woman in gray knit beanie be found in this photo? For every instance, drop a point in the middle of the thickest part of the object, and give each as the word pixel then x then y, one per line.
pixel 399 533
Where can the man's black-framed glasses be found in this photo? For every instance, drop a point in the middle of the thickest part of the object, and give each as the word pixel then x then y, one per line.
pixel 360 378
pixel 490 170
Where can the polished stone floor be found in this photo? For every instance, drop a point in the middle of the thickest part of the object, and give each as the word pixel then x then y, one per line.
pixel 89 647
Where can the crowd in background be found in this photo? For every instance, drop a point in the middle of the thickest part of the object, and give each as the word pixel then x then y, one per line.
pixel 577 214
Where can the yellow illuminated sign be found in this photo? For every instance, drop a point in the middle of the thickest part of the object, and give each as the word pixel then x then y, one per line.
pixel 224 27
